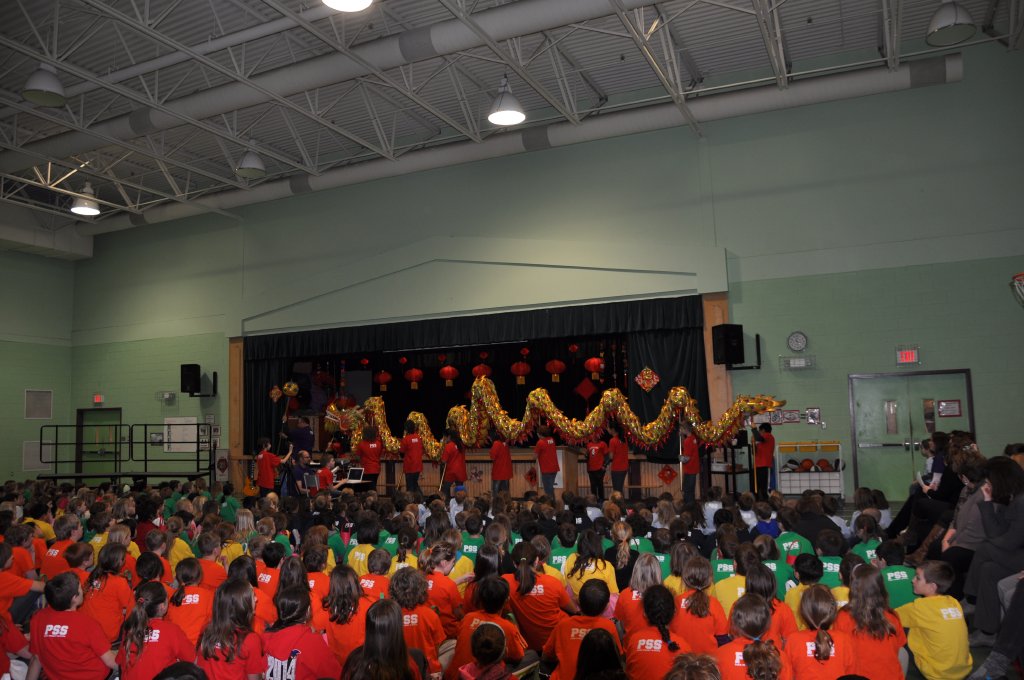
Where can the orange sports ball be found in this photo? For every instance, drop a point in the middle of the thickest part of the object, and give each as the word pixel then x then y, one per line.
pixel 806 464
pixel 824 465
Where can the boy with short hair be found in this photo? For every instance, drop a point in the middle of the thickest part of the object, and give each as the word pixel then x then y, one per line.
pixel 563 646
pixel 791 543
pixel 808 569
pixel 831 547
pixel 375 581
pixel 64 642
pixel 209 551
pixel 938 632
pixel 472 537
pixel 492 593
pixel 898 578
pixel 766 524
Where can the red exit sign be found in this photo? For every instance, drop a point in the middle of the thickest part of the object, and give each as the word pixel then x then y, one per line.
pixel 908 355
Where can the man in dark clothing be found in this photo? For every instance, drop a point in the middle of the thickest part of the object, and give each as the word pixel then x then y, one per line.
pixel 301 437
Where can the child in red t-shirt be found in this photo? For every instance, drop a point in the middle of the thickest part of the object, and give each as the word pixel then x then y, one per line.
pixel 538 601
pixel 268 575
pixel 156 543
pixel 650 650
pixel 492 593
pixel 751 654
pixel 345 608
pixel 66 642
pixel 79 557
pixel 214 574
pixel 191 605
pixel 150 643
pixel 385 653
pixel 442 592
pixel 547 459
pixel 877 633
pixel 819 653
pixel 761 581
pixel 228 647
pixel 421 626
pixel 108 596
pixel 563 646
pixel 699 618
pixel 375 582
pixel 293 650
pixel 412 456
pixel 68 530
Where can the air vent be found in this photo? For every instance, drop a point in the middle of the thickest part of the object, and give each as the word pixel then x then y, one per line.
pixel 38 404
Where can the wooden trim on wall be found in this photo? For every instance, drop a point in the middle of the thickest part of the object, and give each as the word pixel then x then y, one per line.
pixel 236 412
pixel 716 311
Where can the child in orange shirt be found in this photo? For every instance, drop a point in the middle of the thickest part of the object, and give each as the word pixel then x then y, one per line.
pixel 650 650
pixel 751 654
pixel 150 643
pixel 121 534
pixel 265 614
pixel 443 593
pixel 877 633
pixel 346 611
pixel 156 543
pixel 761 581
pixel 563 647
pixel 79 557
pixel 268 576
pixel 699 617
pixel 375 582
pixel 492 593
pixel 228 647
pixel 629 609
pixel 421 626
pixel 191 604
pixel 210 563
pixel 108 596
pixel 818 653
pixel 68 530
pixel 538 601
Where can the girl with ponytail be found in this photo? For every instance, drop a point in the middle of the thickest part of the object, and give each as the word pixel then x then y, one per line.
pixel 877 633
pixel 589 562
pixel 819 653
pixel 405 556
pixel 108 596
pixel 651 650
pixel 149 643
pixel 699 616
pixel 761 581
pixel 293 649
pixel 621 554
pixel 751 655
pixel 191 605
pixel 538 601
pixel 443 594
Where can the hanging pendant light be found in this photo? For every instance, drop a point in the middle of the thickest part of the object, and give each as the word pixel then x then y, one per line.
pixel 85 204
pixel 950 25
pixel 43 87
pixel 348 5
pixel 506 110
pixel 250 166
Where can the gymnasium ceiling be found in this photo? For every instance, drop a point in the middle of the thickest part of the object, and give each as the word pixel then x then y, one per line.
pixel 164 96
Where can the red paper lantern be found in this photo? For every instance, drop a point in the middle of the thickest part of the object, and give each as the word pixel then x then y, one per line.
pixel 573 348
pixel 555 368
pixel 595 365
pixel 403 360
pixel 364 361
pixel 481 370
pixel 449 373
pixel 525 351
pixel 484 355
pixel 414 376
pixel 382 379
pixel 520 370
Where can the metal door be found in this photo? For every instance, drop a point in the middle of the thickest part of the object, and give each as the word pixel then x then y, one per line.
pixel 892 413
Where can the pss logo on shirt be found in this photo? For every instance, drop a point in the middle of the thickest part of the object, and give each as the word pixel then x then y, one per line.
pixel 648 645
pixel 411 620
pixel 55 631
pixel 190 599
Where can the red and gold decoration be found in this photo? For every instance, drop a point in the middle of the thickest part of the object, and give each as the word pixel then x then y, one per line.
pixel 481 370
pixel 595 365
pixel 520 370
pixel 667 475
pixel 448 373
pixel 485 412
pixel 415 377
pixel 556 368
pixel 647 379
pixel 275 393
pixel 290 389
pixel 382 378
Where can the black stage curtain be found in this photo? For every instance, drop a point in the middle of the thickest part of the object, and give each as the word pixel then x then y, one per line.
pixel 665 334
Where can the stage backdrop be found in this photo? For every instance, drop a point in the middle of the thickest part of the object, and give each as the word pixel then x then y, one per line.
pixel 665 335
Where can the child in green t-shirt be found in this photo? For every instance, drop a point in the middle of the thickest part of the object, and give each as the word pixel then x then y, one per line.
pixel 791 543
pixel 866 529
pixel 830 549
pixel 899 580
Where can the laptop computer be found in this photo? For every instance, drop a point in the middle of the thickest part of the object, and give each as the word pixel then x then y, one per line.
pixel 355 475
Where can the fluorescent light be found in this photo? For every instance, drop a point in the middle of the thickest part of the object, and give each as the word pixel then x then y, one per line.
pixel 506 110
pixel 348 5
pixel 950 25
pixel 250 166
pixel 85 204
pixel 43 87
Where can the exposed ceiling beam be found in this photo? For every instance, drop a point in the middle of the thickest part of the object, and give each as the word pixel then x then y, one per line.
pixel 771 33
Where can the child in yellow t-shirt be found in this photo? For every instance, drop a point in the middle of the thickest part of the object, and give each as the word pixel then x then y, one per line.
pixel 730 589
pixel 938 632
pixel 808 569
pixel 842 593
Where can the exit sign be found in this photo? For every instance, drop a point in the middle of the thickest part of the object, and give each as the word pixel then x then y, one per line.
pixel 908 355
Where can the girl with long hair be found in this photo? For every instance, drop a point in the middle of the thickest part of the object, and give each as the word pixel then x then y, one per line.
pixel 751 655
pixel 651 649
pixel 679 555
pixel 444 594
pixel 819 651
pixel 622 554
pixel 875 628
pixel 629 607
pixel 293 649
pixel 191 605
pixel 228 647
pixel 598 655
pixel 454 458
pixel 108 596
pixel 346 608
pixel 538 601
pixel 699 616
pixel 421 625
pixel 149 642
pixel 245 527
pixel 264 609
pixel 761 581
pixel 488 562
pixel 496 534
pixel 589 562
pixel 384 654
pixel 405 555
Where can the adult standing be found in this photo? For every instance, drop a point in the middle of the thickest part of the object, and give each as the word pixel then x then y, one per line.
pixel 547 460
pixel 597 455
pixel 298 471
pixel 454 458
pixel 620 459
pixel 267 463
pixel 412 457
pixel 369 451
pixel 501 464
pixel 691 465
pixel 764 456
pixel 301 436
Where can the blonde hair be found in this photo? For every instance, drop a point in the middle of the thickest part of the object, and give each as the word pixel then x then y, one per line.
pixel 646 573
pixel 621 534
pixel 119 533
pixel 245 525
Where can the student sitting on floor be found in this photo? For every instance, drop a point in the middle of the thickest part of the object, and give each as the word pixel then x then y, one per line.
pixel 938 633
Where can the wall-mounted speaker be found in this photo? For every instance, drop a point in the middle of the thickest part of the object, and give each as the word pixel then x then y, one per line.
pixel 727 343
pixel 191 379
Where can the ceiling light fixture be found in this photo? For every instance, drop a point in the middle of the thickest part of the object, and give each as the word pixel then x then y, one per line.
pixel 950 25
pixel 506 109
pixel 348 5
pixel 43 87
pixel 250 166
pixel 85 204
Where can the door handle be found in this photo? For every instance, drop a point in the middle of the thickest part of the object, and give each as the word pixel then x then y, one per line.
pixel 906 444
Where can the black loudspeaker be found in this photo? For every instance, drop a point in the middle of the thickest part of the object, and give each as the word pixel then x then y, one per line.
pixel 191 378
pixel 727 343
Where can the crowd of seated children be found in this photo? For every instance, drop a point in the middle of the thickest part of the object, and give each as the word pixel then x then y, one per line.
pixel 366 586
